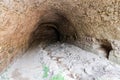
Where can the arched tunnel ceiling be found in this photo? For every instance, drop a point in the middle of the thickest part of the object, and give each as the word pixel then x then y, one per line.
pixel 90 24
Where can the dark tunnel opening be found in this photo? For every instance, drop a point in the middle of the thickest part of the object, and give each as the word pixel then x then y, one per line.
pixel 53 27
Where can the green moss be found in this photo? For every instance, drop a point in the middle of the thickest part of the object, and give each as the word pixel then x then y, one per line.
pixel 46 70
pixel 57 77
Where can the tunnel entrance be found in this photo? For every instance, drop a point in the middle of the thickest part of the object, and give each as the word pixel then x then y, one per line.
pixel 53 27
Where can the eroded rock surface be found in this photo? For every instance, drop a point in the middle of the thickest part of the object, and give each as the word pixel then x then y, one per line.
pixel 61 62
pixel 81 22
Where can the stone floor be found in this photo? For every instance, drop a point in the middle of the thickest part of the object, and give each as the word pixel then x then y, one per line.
pixel 61 62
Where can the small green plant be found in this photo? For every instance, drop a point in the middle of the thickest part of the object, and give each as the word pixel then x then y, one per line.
pixel 46 70
pixel 57 77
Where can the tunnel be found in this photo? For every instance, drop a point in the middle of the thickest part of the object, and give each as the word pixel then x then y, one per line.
pixel 77 27
pixel 53 27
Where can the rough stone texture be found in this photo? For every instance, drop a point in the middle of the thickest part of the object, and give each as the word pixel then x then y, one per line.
pixel 115 52
pixel 90 22
pixel 61 62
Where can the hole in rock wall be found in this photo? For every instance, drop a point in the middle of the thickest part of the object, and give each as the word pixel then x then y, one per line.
pixel 106 46
pixel 53 27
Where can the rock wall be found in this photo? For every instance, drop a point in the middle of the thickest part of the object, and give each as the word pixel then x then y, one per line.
pixel 90 24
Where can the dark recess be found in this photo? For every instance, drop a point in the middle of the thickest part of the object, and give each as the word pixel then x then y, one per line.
pixel 53 27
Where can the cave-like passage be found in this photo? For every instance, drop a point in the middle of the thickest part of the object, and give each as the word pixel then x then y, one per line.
pixel 53 27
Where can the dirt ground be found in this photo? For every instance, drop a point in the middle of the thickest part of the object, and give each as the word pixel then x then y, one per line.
pixel 61 62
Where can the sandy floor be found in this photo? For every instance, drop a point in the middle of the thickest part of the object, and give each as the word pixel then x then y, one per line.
pixel 61 62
